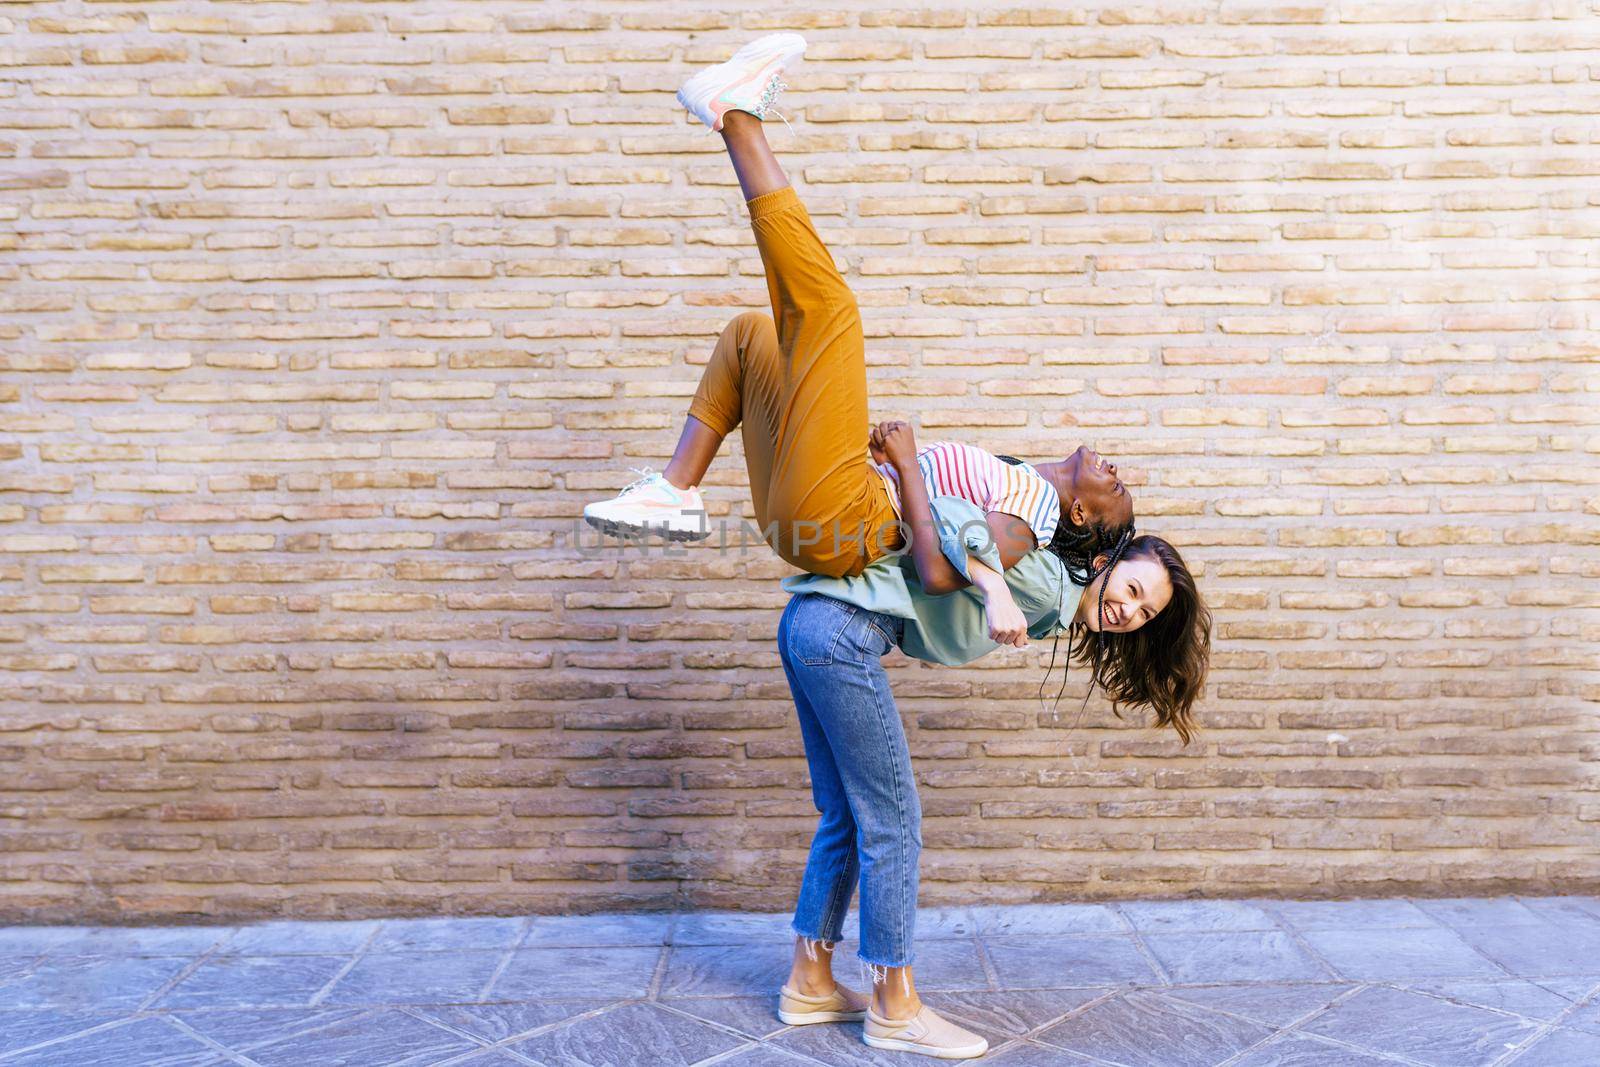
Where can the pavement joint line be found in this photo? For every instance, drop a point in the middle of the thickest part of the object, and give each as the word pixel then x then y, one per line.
pixel 986 962
pixel 1545 1029
pixel 355 958
pixel 184 1028
pixel 1361 986
pixel 167 986
pixel 505 959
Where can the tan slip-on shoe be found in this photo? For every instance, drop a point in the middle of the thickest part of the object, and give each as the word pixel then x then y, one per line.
pixel 926 1032
pixel 840 1006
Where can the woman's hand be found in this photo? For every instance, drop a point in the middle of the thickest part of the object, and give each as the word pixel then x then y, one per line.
pixel 1007 624
pixel 895 441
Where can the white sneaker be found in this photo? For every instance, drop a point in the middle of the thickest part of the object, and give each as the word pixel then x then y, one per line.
pixel 747 82
pixel 651 505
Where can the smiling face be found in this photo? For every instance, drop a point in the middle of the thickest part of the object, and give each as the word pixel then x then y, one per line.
pixel 1096 494
pixel 1136 591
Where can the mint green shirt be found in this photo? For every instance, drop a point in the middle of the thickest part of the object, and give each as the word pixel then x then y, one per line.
pixel 951 629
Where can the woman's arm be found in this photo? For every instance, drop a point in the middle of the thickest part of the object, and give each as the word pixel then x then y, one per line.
pixel 935 572
pixel 1012 536
pixel 1007 624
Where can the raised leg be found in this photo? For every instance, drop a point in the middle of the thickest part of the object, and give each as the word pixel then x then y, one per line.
pixel 697 446
pixel 752 157
pixel 831 511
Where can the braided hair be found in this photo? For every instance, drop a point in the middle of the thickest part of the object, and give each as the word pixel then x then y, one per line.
pixel 1077 547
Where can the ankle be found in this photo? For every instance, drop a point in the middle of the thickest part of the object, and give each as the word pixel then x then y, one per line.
pixel 899 1007
pixel 812 983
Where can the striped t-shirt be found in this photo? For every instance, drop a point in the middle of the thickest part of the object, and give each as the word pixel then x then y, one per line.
pixel 950 468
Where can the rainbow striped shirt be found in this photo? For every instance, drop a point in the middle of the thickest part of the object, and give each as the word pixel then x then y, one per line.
pixel 950 468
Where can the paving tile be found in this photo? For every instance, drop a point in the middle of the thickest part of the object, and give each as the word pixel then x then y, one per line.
pixel 1424 952
pixel 1533 951
pixel 937 965
pixel 1196 915
pixel 577 974
pixel 1561 1048
pixel 1349 914
pixel 628 1035
pixel 19 1029
pixel 598 931
pixel 1017 919
pixel 1016 1011
pixel 1480 911
pixel 414 978
pixel 392 1038
pixel 131 940
pixel 294 938
pixel 37 940
pixel 496 1022
pixel 1145 1029
pixel 96 940
pixel 1243 955
pixel 755 1016
pixel 1534 1000
pixel 241 1029
pixel 1028 1054
pixel 1299 1050
pixel 933 924
pixel 89 982
pixel 149 1042
pixel 1579 911
pixel 253 981
pixel 732 970
pixel 449 934
pixel 1425 1029
pixel 763 1056
pixel 735 928
pixel 1057 962
pixel 1275 1005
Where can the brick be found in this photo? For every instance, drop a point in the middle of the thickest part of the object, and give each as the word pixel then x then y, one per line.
pixel 1326 318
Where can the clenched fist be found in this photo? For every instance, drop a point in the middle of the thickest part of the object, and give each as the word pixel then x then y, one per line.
pixel 895 442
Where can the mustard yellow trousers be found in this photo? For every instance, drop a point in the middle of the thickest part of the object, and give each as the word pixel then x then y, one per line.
pixel 796 383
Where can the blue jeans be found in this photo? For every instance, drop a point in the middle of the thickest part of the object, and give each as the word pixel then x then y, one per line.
pixel 861 781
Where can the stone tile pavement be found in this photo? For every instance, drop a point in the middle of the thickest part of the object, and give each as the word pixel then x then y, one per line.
pixel 1247 983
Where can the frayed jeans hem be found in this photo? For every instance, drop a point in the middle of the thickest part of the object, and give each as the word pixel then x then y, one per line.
pixel 888 963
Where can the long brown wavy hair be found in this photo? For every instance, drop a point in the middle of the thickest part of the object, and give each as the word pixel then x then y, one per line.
pixel 1162 665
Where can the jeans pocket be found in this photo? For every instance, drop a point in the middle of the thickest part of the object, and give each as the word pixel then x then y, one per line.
pixel 815 628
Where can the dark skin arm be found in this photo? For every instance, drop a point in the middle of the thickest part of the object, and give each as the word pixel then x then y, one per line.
pixel 1012 537
pixel 1007 625
pixel 895 442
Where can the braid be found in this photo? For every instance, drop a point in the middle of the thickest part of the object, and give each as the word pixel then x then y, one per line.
pixel 1077 547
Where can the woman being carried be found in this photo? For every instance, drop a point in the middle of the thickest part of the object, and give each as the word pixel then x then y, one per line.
pixel 994 552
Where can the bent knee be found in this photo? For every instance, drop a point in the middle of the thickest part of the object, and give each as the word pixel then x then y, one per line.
pixel 751 324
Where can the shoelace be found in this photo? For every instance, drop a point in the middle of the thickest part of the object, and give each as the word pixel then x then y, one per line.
pixel 769 96
pixel 645 475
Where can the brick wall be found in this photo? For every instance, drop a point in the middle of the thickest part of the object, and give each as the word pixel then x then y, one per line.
pixel 322 322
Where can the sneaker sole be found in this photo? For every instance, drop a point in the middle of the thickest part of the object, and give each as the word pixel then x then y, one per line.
pixel 628 529
pixel 963 1052
pixel 801 1018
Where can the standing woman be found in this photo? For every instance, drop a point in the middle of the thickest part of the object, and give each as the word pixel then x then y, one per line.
pixel 1137 622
